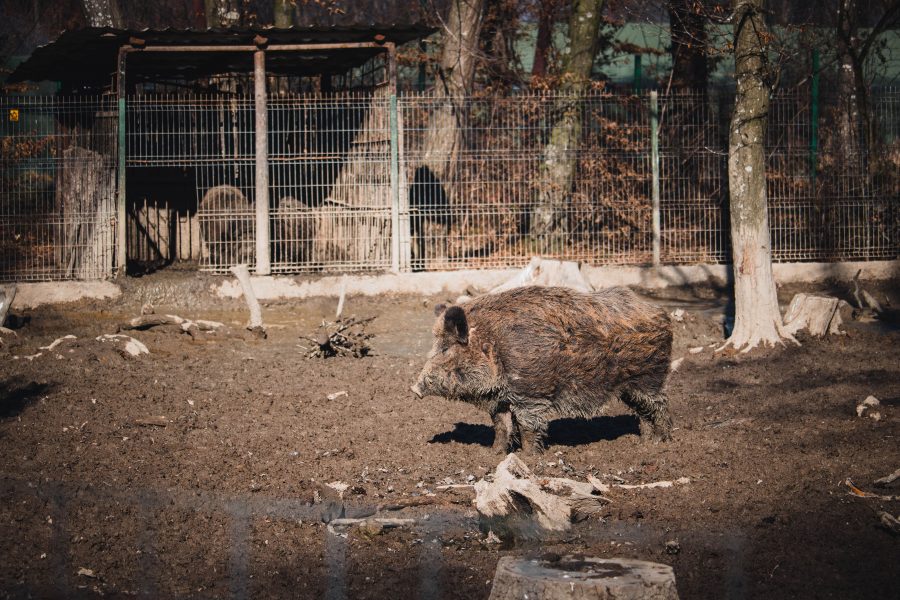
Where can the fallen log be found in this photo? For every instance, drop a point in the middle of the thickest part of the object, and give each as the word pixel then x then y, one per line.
pixel 516 502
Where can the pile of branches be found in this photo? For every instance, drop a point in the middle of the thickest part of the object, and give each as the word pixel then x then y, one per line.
pixel 344 337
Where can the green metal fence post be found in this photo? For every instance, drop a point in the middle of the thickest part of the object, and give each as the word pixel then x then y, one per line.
pixel 395 187
pixel 638 72
pixel 654 168
pixel 121 245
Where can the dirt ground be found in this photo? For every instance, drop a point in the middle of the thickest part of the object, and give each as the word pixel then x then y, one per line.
pixel 228 499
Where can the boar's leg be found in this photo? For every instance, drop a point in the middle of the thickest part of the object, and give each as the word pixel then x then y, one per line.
pixel 652 408
pixel 503 431
pixel 532 431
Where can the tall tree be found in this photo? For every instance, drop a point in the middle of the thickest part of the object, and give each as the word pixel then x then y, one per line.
pixel 687 25
pixel 855 45
pixel 757 317
pixel 560 155
pixel 546 10
pixel 456 73
pixel 102 13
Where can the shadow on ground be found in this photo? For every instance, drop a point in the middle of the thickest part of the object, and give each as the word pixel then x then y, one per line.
pixel 15 395
pixel 562 432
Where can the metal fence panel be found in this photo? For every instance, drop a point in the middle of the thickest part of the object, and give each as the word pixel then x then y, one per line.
pixel 330 182
pixel 364 181
pixel 57 188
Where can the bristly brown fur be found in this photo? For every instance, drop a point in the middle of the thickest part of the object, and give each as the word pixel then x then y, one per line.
pixel 540 353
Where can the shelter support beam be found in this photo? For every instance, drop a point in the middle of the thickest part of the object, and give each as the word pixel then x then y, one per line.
pixel 263 254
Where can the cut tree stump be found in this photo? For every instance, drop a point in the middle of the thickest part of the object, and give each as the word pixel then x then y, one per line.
pixel 582 577
pixel 821 315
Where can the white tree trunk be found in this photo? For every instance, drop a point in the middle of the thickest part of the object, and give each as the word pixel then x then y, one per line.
pixel 757 319
pixel 102 13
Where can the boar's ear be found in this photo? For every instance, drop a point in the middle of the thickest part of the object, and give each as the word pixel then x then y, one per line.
pixel 455 324
pixel 439 309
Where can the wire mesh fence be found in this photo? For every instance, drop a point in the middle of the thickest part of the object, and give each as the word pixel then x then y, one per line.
pixel 57 188
pixel 477 168
pixel 360 180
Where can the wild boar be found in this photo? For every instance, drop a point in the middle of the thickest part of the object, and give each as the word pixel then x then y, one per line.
pixel 533 353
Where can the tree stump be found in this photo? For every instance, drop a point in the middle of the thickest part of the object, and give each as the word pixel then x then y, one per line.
pixel 821 315
pixel 582 577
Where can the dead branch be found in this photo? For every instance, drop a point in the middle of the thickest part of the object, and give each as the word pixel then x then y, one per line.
pixel 889 522
pixel 149 321
pixel 855 491
pixel 345 337
pixel 888 479
pixel 158 421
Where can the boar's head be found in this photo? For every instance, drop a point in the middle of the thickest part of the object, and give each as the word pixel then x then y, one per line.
pixel 461 365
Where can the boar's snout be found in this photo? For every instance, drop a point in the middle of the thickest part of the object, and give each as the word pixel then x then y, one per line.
pixel 417 390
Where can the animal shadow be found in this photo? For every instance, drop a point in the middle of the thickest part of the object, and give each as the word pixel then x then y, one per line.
pixel 577 432
pixel 16 395
pixel 465 433
pixel 562 432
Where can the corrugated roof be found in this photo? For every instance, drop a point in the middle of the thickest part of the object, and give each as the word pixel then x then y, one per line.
pixel 88 55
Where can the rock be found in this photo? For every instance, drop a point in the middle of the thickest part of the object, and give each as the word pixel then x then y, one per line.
pixel 132 347
pixel 371 528
pixel 866 408
pixel 673 547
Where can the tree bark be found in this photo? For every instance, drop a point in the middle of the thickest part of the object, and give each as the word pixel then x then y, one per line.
pixel 544 39
pixel 757 318
pixel 848 118
pixel 856 127
pixel 560 155
pixel 443 139
pixel 689 42
pixel 102 13
pixel 284 13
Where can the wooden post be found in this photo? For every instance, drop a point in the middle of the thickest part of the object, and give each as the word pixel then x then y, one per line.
pixel 395 188
pixel 263 257
pixel 654 167
pixel 400 187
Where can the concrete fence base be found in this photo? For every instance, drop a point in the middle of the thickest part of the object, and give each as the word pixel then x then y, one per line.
pixel 457 282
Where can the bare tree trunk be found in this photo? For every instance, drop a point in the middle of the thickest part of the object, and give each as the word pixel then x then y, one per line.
pixel 689 43
pixel 561 152
pixel 102 13
pixel 848 117
pixel 757 318
pixel 284 13
pixel 432 194
pixel 443 139
pixel 544 39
